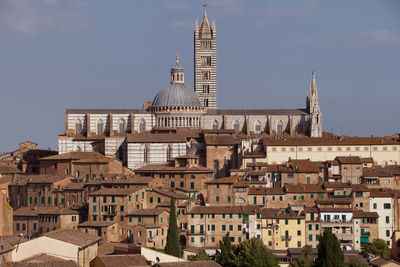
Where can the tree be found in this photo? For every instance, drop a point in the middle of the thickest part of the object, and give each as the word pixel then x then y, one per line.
pixel 255 253
pixel 305 260
pixel 355 263
pixel 329 252
pixel 226 256
pixel 173 247
pixel 378 247
pixel 201 256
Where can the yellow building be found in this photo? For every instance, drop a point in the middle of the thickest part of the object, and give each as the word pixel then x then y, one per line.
pixel 283 228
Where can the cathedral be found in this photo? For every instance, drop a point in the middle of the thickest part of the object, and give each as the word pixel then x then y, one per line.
pixel 128 134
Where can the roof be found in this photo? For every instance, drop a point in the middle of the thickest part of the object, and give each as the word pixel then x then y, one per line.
pixel 364 214
pixel 176 95
pixel 106 111
pixel 220 139
pixel 225 180
pixel 44 260
pixel 328 141
pixel 74 186
pixel 27 211
pixel 7 243
pixel 250 209
pixel 156 138
pixel 147 212
pixel 348 160
pixel 382 171
pixel 166 191
pixel 188 264
pixel 171 169
pixel 96 224
pixel 261 112
pixel 304 188
pixel 115 191
pixel 9 170
pixel 23 179
pixel 335 209
pixel 123 260
pixel 378 261
pixel 302 165
pixel 382 192
pixel 335 201
pixel 80 157
pixel 268 213
pixel 78 238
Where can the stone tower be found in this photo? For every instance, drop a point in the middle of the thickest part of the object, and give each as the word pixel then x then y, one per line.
pixel 205 62
pixel 313 110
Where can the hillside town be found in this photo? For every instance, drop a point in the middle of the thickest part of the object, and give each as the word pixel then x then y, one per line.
pixel 122 177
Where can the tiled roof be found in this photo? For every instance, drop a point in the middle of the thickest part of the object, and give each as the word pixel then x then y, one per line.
pixel 106 111
pixel 250 209
pixel 382 171
pixel 123 260
pixel 304 188
pixel 115 191
pixel 269 213
pixel 367 160
pixel 96 224
pixel 256 112
pixel 74 186
pixel 7 243
pixel 79 156
pixel 27 211
pixel 23 179
pixel 348 160
pixel 220 139
pixel 381 192
pixel 299 166
pixel 78 238
pixel 9 170
pixel 339 209
pixel 225 180
pixel 170 169
pixel 364 214
pixel 169 192
pixel 147 212
pixel 334 201
pixel 188 264
pixel 329 141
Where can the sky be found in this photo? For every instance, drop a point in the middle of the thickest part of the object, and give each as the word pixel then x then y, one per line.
pixel 59 54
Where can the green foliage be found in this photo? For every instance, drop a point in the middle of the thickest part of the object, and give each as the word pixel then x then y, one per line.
pixel 329 252
pixel 225 257
pixel 378 247
pixel 305 260
pixel 354 263
pixel 254 253
pixel 201 256
pixel 173 247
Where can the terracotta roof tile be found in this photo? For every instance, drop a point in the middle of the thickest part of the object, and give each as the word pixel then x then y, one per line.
pixel 250 209
pixel 348 160
pixel 78 238
pixel 329 141
pixel 115 191
pixel 147 212
pixel 123 260
pixel 188 264
pixel 220 139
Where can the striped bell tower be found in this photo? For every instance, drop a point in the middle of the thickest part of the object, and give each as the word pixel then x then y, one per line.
pixel 205 62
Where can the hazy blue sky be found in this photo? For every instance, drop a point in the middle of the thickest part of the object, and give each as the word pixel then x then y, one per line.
pixel 117 54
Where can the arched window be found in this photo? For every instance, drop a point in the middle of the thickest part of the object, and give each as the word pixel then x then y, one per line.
pixel 257 127
pixel 142 126
pixel 215 125
pixel 121 126
pixel 279 127
pixel 100 127
pixel 236 126
pixel 206 102
pixel 78 126
pixel 146 154
pixel 169 152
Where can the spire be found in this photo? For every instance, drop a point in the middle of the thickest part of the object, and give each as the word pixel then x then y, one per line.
pixel 313 82
pixel 205 30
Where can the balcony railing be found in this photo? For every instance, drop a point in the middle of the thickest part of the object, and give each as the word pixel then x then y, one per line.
pixel 365 234
pixel 286 237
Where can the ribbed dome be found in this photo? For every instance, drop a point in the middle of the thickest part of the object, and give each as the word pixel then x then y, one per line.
pixel 176 95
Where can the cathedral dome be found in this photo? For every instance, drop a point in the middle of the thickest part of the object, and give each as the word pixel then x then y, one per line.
pixel 177 93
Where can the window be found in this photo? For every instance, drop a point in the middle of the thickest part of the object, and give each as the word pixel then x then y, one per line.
pixel 206 88
pixel 223 227
pixel 388 233
pixel 317 237
pixel 386 205
pixel 191 185
pixel 257 127
pixel 311 196
pixel 121 125
pixel 375 206
pixel 78 126
pixel 308 179
pixel 294 197
pixel 310 227
pixel 206 61
pixel 229 199
pixel 146 152
pixel 239 227
pixel 387 219
pixel 299 244
pixel 142 126
pixel 94 208
pixel 172 184
pixel 100 127
pixel 236 126
pixel 317 227
pixel 113 199
pixel 279 127
pixel 286 221
pixel 298 221
pixel 182 184
pixel 299 232
pixel 205 75
pixel 215 125
pixel 230 227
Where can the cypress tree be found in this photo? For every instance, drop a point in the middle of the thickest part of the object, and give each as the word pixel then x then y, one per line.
pixel 226 257
pixel 329 252
pixel 173 247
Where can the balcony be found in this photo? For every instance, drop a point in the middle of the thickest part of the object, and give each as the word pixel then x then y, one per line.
pixel 366 234
pixel 339 196
pixel 344 237
pixel 286 237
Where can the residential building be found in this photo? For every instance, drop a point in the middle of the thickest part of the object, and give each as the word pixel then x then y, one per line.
pixel 6 216
pixel 382 203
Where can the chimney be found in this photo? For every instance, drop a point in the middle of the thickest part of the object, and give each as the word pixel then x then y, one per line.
pixel 147 105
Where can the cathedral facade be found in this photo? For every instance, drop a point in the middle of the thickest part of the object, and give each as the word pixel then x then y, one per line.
pixel 122 132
